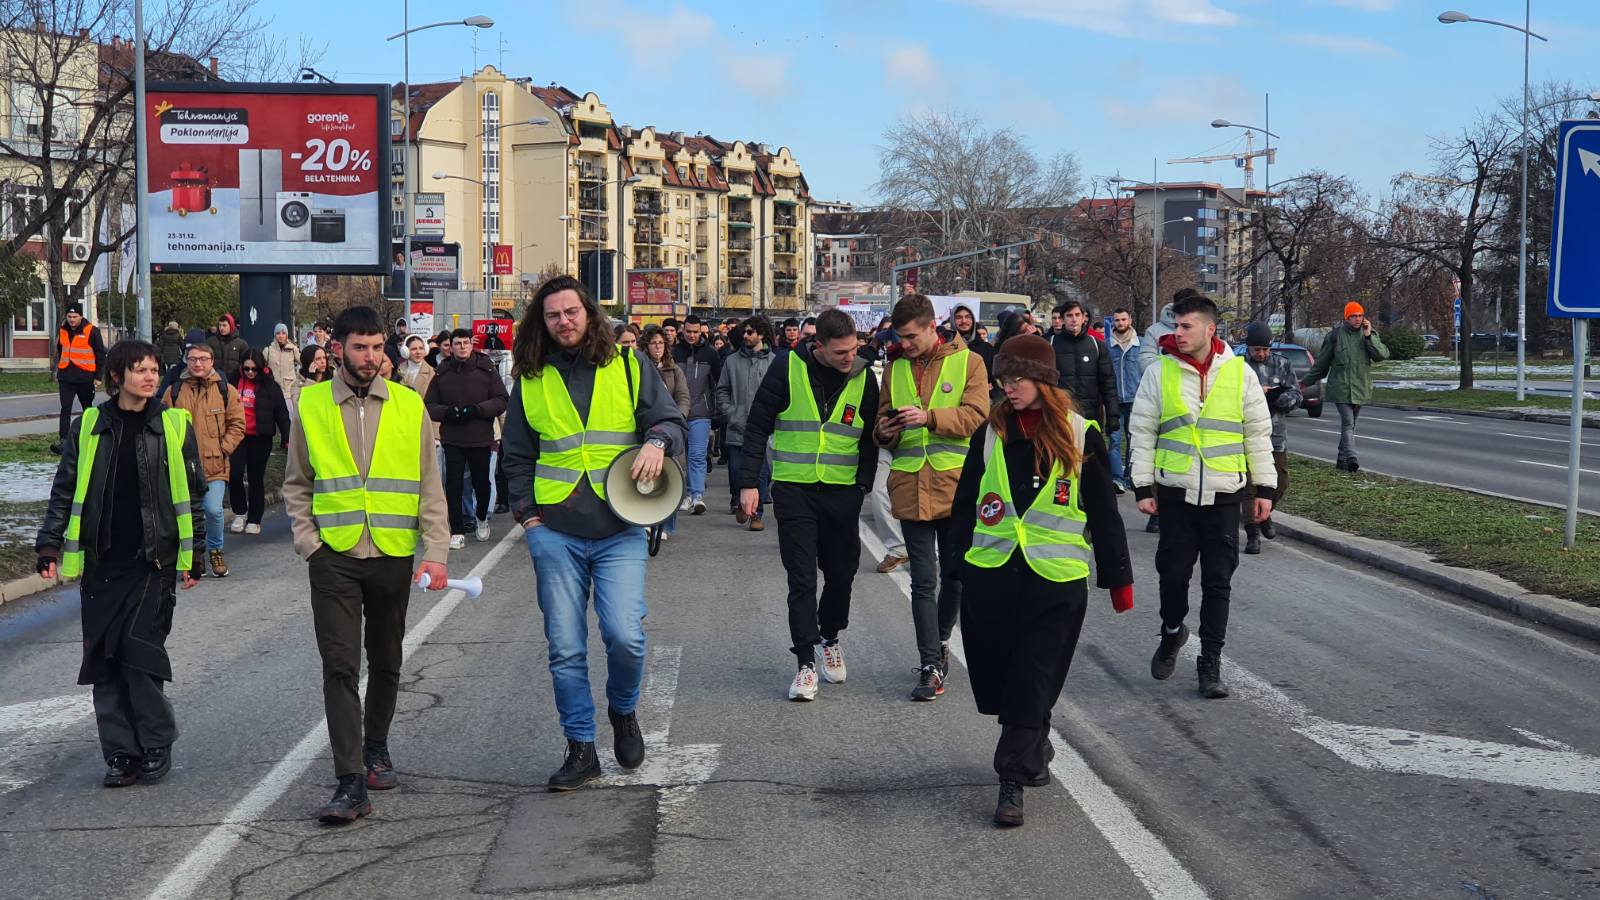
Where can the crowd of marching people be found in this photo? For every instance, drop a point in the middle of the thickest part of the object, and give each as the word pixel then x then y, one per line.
pixel 990 469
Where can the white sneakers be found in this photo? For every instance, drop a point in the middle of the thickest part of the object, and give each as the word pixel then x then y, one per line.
pixel 238 525
pixel 252 528
pixel 832 663
pixel 458 541
pixel 804 686
pixel 483 532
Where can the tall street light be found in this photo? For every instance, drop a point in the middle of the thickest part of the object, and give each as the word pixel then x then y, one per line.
pixel 405 36
pixel 1266 175
pixel 1451 18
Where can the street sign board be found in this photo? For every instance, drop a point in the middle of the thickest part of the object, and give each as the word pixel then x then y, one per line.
pixel 1575 232
pixel 427 215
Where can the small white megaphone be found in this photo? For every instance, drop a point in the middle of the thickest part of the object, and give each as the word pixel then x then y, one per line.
pixel 643 503
pixel 472 587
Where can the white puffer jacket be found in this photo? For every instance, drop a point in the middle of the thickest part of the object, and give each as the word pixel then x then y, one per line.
pixel 1200 485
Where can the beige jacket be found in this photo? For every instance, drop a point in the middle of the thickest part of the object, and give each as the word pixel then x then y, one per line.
pixel 284 362
pixel 926 495
pixel 424 377
pixel 218 420
pixel 360 427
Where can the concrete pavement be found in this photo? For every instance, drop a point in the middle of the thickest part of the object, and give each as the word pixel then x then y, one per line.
pixel 1382 741
pixel 1524 460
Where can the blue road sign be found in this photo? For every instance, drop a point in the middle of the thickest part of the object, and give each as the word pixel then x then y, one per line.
pixel 1575 231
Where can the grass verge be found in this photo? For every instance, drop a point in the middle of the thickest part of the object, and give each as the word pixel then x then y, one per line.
pixel 1517 541
pixel 26 383
pixel 1475 399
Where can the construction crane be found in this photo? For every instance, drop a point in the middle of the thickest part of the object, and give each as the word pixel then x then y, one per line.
pixel 1245 160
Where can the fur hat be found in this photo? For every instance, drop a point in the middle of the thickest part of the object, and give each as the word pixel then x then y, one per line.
pixel 1027 356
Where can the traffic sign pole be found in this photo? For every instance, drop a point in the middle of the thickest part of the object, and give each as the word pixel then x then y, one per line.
pixel 1574 272
pixel 1580 343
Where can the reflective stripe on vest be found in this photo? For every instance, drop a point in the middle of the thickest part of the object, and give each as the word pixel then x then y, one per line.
pixel 76 349
pixel 918 446
pixel 1050 533
pixel 387 502
pixel 806 449
pixel 1219 429
pixel 174 430
pixel 569 447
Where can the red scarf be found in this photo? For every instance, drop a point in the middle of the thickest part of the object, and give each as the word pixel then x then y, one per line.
pixel 1169 346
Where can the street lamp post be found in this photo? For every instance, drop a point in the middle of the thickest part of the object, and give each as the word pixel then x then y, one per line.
pixel 1451 18
pixel 405 36
pixel 1155 242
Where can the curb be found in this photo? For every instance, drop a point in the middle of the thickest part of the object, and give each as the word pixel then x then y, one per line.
pixel 1489 414
pixel 1481 587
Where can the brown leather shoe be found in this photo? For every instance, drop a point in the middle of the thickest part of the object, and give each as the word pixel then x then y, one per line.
pixel 755 525
pixel 890 563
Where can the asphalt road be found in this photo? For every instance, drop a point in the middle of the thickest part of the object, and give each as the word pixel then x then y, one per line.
pixel 1526 460
pixel 1381 742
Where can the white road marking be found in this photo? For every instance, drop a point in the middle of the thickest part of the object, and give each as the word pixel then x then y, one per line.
pixel 1535 437
pixel 1420 753
pixel 1541 740
pixel 1450 419
pixel 1363 437
pixel 1162 875
pixel 188 875
pixel 26 720
pixel 678 769
pixel 1529 462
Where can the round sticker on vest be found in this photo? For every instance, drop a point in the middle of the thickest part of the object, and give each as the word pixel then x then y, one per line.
pixel 947 387
pixel 992 509
pixel 1086 359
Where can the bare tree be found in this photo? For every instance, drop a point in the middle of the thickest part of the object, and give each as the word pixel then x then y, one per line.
pixel 1303 233
pixel 1112 261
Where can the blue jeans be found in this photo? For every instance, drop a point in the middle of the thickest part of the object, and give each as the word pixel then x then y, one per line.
pixel 567 568
pixel 736 464
pixel 213 506
pixel 699 442
pixel 1117 444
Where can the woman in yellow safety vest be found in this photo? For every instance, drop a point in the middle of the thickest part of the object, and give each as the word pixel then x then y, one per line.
pixel 1035 485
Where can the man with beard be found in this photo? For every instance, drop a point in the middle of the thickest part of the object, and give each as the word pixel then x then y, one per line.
pixel 965 325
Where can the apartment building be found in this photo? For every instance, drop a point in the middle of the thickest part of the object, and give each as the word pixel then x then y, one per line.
pixel 553 173
pixel 1220 241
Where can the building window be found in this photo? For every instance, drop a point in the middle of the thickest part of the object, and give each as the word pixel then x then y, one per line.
pixel 29 321
pixel 1205 213
pixel 397 127
pixel 1205 231
pixel 489 124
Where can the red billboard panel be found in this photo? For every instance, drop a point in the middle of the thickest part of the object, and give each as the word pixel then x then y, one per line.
pixel 654 287
pixel 502 260
pixel 268 177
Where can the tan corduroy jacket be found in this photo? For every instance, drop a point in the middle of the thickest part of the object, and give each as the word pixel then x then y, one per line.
pixel 361 427
pixel 926 495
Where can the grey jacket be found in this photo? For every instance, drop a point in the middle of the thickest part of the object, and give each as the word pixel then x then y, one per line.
pixel 741 375
pixel 583 514
pixel 1283 394
pixel 1150 347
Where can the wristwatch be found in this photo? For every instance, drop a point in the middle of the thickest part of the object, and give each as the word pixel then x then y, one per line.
pixel 657 441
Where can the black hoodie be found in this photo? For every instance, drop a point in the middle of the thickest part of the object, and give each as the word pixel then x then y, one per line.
pixel 827 383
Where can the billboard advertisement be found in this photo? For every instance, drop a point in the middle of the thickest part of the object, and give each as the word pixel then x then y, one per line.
pixel 435 266
pixel 427 215
pixel 268 177
pixel 502 260
pixel 654 291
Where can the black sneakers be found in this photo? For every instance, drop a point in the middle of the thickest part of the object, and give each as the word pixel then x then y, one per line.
pixel 1166 658
pixel 1209 668
pixel 157 763
pixel 629 743
pixel 381 775
pixel 930 684
pixel 349 802
pixel 1008 812
pixel 122 770
pixel 581 767
pixel 944 660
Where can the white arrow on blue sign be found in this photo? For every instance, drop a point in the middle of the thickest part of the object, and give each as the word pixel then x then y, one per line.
pixel 1575 231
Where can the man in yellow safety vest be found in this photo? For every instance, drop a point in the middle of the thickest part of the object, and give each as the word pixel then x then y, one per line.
pixel 578 403
pixel 818 403
pixel 362 490
pixel 1201 434
pixel 935 395
pixel 122 517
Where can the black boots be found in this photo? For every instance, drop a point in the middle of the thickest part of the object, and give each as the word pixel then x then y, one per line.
pixel 1008 812
pixel 1166 658
pixel 581 767
pixel 380 769
pixel 1209 667
pixel 1152 525
pixel 121 771
pixel 1269 530
pixel 349 802
pixel 628 742
pixel 1252 539
pixel 157 763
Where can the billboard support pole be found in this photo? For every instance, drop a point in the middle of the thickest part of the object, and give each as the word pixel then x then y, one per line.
pixel 264 301
pixel 406 226
pixel 141 190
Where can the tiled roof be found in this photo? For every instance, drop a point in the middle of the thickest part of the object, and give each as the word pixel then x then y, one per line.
pixel 423 98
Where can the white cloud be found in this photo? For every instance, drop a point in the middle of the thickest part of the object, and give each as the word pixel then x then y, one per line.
pixel 1339 43
pixel 912 66
pixel 762 76
pixel 1125 18
pixel 655 38
pixel 1180 101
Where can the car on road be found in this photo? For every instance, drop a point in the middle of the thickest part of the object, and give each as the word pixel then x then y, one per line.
pixel 1300 359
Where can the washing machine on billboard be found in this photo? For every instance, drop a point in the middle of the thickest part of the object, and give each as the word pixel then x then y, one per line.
pixel 294 215
pixel 260 186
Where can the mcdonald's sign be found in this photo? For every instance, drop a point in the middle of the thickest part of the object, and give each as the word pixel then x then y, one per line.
pixel 502 259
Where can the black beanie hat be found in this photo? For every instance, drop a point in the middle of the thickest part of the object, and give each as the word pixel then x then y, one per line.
pixel 1258 335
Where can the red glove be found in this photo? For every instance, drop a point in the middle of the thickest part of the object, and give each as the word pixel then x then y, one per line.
pixel 1122 598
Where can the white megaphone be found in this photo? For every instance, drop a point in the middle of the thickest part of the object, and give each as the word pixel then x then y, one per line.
pixel 472 587
pixel 643 503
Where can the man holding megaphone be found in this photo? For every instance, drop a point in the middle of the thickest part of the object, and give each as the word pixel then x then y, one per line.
pixel 579 403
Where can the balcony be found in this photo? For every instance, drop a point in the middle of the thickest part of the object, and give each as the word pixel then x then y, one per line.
pixel 701 242
pixel 594 203
pixel 740 272
pixel 784 220
pixel 783 290
pixel 784 275
pixel 701 270
pixel 591 172
pixel 739 245
pixel 591 232
pixel 787 249
pixel 743 218
pixel 646 236
pixel 648 206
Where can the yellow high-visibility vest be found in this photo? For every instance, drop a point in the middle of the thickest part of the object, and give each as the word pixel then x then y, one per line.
pixel 1050 533
pixel 918 446
pixel 1219 430
pixel 388 501
pixel 806 449
pixel 569 447
pixel 174 430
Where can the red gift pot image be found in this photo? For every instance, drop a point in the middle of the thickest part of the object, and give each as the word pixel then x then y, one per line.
pixel 191 190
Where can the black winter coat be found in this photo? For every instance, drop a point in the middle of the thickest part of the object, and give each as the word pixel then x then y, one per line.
pixel 465 398
pixel 827 383
pixel 1086 374
pixel 272 410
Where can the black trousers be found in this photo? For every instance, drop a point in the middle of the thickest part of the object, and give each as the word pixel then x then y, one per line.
pixel 817 528
pixel 343 592
pixel 935 587
pixel 1211 535
pixel 250 464
pixel 456 461
pixel 132 712
pixel 68 391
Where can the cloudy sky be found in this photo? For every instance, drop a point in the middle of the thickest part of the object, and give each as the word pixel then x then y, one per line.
pixel 1357 86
